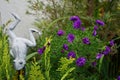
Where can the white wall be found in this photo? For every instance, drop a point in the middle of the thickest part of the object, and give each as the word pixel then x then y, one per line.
pixel 19 7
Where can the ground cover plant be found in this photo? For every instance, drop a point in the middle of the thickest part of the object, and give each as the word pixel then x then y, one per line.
pixel 81 46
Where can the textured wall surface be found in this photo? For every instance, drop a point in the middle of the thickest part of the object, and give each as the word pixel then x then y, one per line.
pixel 19 7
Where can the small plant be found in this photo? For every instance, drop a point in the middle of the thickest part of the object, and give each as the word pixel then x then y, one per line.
pixel 79 50
pixel 35 72
pixel 5 61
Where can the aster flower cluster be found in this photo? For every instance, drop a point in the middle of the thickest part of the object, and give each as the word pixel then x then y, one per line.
pixel 106 51
pixel 96 27
pixel 77 24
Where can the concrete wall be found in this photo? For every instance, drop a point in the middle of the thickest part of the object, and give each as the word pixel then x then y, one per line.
pixel 19 7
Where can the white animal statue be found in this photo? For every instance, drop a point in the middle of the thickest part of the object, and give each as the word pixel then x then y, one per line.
pixel 18 45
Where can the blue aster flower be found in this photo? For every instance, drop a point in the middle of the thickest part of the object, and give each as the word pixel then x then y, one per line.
pixel 76 22
pixel 65 46
pixel 71 54
pixel 86 40
pixel 80 61
pixel 107 50
pixel 99 55
pixel 70 38
pixel 41 50
pixel 94 33
pixel 99 22
pixel 74 18
pixel 60 32
pixel 112 43
pixel 95 27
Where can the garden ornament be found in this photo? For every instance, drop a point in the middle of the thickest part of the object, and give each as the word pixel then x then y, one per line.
pixel 18 45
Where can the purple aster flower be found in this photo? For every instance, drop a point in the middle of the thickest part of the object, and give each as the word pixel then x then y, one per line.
pixel 94 33
pixel 107 50
pixel 70 38
pixel 95 27
pixel 71 54
pixel 99 55
pixel 41 50
pixel 101 23
pixel 112 43
pixel 62 51
pixel 74 18
pixel 60 32
pixel 94 63
pixel 86 40
pixel 81 61
pixel 118 78
pixel 82 28
pixel 77 24
pixel 65 46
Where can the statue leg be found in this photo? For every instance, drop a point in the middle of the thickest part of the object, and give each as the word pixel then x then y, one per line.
pixel 31 42
pixel 14 24
pixel 11 36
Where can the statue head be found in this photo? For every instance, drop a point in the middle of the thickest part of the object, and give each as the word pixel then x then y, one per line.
pixel 19 63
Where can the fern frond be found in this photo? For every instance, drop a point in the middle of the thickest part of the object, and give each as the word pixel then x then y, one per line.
pixel 66 74
pixel 6 66
pixel 65 64
pixel 35 72
pixel 47 57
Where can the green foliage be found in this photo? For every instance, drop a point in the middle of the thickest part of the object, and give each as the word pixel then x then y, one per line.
pixel 77 46
pixel 35 72
pixel 67 73
pixel 53 64
pixel 65 68
pixel 5 64
pixel 31 55
pixel 89 11
pixel 46 57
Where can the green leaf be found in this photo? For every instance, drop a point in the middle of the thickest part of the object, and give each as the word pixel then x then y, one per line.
pixel 31 55
pixel 65 75
pixel 100 62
